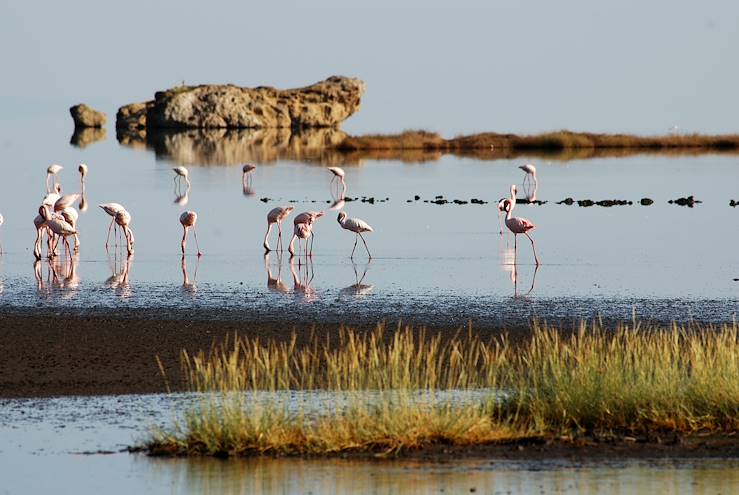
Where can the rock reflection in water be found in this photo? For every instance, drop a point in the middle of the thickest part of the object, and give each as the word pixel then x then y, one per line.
pixel 83 137
pixel 236 146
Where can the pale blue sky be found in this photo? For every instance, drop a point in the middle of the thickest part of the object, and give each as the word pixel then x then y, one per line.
pixel 520 66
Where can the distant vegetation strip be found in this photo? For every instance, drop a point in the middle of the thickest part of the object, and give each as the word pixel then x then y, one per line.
pixel 593 383
pixel 551 141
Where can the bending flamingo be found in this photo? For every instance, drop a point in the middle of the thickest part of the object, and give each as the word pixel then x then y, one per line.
pixel 300 231
pixel 181 173
pixel 518 225
pixel 111 209
pixel 308 217
pixel 338 173
pixel 357 226
pixel 123 219
pixel 530 172
pixel 188 219
pixel 59 226
pixel 276 216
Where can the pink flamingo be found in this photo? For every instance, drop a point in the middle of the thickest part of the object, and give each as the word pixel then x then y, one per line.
pixel 59 226
pixel 123 219
pixel 300 231
pixel 188 219
pixel 357 226
pixel 518 225
pixel 338 173
pixel 276 216
pixel 308 217
pixel 246 171
pixel 111 209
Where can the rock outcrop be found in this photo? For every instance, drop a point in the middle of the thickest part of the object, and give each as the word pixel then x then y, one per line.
pixel 85 116
pixel 324 104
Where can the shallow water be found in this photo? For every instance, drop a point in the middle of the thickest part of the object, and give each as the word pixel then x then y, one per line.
pixel 438 262
pixel 60 437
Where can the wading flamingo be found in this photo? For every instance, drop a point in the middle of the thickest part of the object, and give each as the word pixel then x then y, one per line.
pixel 111 209
pixel 123 219
pixel 357 226
pixel 300 231
pixel 181 173
pixel 59 226
pixel 338 173
pixel 188 219
pixel 308 217
pixel 530 172
pixel 518 225
pixel 276 216
pixel 53 169
pixel 246 171
pixel 40 223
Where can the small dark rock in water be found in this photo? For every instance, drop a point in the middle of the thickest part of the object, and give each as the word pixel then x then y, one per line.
pixel 263 200
pixel 689 201
pixel 567 201
pixel 440 201
pixel 349 198
pixel 646 201
pixel 409 201
pixel 612 202
pixel 439 197
pixel 416 197
pixel 736 280
pixel 460 202
pixel 371 201
pixel 733 203
pixel 476 201
pixel 585 202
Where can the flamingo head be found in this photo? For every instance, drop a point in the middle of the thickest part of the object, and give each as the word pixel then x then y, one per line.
pixel 43 211
pixel 504 204
pixel 341 217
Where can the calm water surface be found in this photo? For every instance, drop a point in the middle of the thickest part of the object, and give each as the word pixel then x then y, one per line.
pixel 59 437
pixel 436 261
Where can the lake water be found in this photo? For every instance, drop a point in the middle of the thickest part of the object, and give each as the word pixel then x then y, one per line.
pixel 433 263
pixel 75 443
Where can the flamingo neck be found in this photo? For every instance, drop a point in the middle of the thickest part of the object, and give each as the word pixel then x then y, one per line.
pixel 513 198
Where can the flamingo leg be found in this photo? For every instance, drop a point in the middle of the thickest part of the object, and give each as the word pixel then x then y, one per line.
pixel 279 236
pixel 356 239
pixel 365 245
pixel 195 234
pixel 311 244
pixel 109 227
pixel 129 239
pixel 533 247
pixel 183 244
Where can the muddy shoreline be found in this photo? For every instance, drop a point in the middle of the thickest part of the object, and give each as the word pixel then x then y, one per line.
pixel 48 353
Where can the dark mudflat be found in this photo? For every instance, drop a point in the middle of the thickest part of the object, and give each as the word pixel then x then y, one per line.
pixel 54 353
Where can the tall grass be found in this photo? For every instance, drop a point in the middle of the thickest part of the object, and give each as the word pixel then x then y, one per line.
pixel 593 381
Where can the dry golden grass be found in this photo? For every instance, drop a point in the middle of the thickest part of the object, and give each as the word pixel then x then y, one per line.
pixel 595 381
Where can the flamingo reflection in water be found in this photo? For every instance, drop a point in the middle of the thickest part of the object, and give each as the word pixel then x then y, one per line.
pixel 120 266
pixel 302 279
pixel 514 279
pixel 357 289
pixel 189 286
pixel 246 172
pixel 275 284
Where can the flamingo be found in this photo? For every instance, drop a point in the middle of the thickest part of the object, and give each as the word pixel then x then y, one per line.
pixel 300 231
pixel 182 172
pixel 357 226
pixel 64 207
pixel 518 225
pixel 59 226
pixel 188 219
pixel 276 216
pixel 308 217
pixel 123 219
pixel 111 209
pixel 530 171
pixel 40 223
pixel 53 169
pixel 338 173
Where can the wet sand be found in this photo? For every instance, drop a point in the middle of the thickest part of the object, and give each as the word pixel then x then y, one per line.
pixel 51 353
